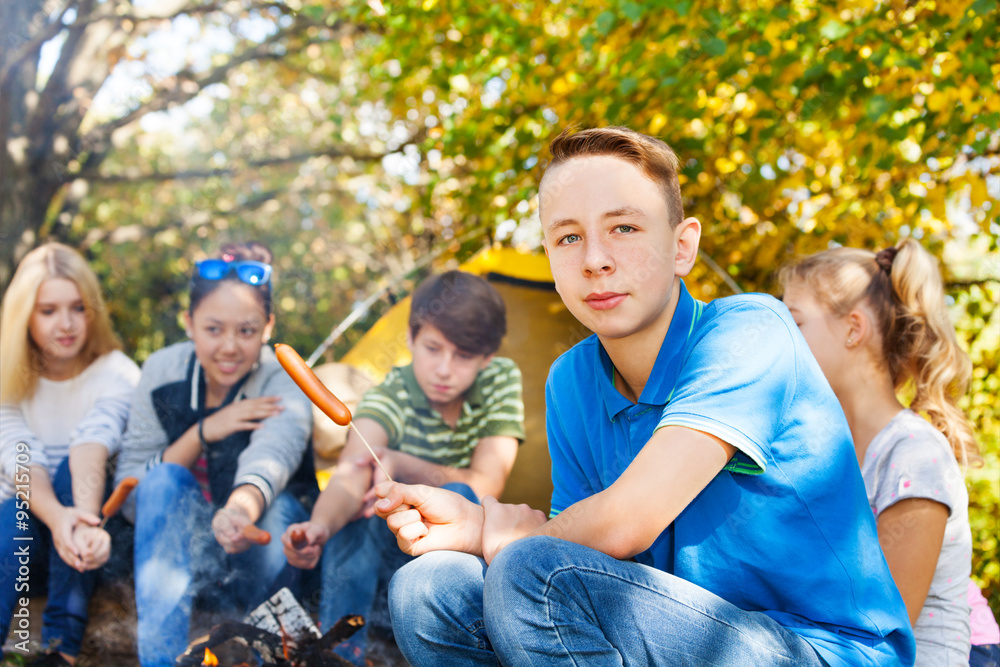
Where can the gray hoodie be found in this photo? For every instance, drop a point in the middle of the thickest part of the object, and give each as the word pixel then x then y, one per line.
pixel 167 403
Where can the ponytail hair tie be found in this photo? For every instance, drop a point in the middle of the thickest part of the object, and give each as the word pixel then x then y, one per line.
pixel 884 259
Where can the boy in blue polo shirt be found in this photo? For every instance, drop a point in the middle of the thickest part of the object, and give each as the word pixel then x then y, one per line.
pixel 707 507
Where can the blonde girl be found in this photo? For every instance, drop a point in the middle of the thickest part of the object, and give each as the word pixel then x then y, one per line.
pixel 65 391
pixel 878 326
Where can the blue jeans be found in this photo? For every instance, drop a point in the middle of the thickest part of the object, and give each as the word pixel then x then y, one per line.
pixel 544 601
pixel 177 556
pixel 358 562
pixel 65 616
pixel 987 655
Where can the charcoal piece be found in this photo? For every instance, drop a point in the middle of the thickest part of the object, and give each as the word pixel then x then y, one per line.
pixel 282 613
pixel 266 644
pixel 240 642
pixel 341 631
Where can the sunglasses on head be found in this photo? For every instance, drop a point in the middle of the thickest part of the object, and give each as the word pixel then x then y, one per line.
pixel 248 271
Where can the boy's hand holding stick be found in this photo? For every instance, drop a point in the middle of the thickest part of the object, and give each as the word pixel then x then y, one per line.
pixel 426 518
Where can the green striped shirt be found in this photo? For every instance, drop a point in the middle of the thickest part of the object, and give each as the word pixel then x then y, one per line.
pixel 492 406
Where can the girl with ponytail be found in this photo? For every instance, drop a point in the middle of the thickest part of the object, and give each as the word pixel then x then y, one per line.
pixel 878 326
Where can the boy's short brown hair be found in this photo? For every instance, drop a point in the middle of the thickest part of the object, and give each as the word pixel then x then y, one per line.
pixel 465 308
pixel 653 157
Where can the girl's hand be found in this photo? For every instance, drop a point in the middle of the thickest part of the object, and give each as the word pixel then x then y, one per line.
pixel 93 544
pixel 305 555
pixel 503 523
pixel 426 518
pixel 245 415
pixel 227 524
pixel 63 526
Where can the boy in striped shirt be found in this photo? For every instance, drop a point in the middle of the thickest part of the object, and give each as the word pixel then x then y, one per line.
pixel 453 418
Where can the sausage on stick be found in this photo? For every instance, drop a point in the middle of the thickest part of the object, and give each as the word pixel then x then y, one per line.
pixel 256 535
pixel 117 498
pixel 298 538
pixel 311 385
pixel 317 392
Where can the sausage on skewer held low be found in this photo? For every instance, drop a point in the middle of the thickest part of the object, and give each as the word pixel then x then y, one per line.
pixel 256 535
pixel 117 498
pixel 298 538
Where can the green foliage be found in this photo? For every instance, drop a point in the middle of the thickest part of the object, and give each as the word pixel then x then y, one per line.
pixel 978 325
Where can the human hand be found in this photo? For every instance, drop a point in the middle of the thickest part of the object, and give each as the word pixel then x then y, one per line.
pixel 245 415
pixel 425 518
pixel 228 524
pixel 93 544
pixel 388 458
pixel 306 554
pixel 62 528
pixel 367 509
pixel 504 523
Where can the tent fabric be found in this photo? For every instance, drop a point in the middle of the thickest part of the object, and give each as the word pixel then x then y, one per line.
pixel 539 329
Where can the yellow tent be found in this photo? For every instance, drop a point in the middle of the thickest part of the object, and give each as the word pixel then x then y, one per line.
pixel 539 329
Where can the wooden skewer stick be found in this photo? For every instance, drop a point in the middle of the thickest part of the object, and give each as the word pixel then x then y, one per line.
pixel 371 451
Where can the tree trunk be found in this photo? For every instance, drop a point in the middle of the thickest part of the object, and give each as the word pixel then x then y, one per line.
pixel 22 196
pixel 46 162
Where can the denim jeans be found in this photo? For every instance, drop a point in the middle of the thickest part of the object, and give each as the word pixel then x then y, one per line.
pixel 177 556
pixel 358 562
pixel 544 601
pixel 986 655
pixel 65 616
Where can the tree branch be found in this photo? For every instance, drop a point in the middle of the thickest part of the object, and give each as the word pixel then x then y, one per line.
pixel 54 28
pixel 191 174
pixel 55 91
pixel 35 43
pixel 190 11
pixel 180 93
pixel 965 284
pixel 261 198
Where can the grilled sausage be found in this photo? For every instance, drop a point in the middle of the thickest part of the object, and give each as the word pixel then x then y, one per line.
pixel 256 535
pixel 317 392
pixel 118 496
pixel 298 537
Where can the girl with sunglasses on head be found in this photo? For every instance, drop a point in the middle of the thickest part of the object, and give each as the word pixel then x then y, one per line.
pixel 65 389
pixel 219 437
pixel 877 323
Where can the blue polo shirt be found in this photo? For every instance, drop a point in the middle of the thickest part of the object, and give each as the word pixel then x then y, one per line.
pixel 785 528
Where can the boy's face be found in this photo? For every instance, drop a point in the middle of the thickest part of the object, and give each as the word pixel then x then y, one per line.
pixel 443 371
pixel 613 254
